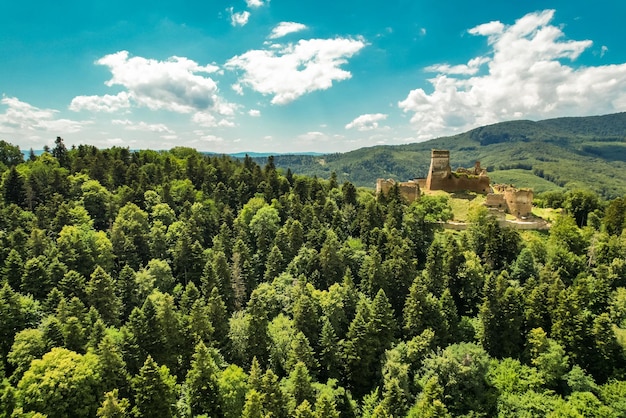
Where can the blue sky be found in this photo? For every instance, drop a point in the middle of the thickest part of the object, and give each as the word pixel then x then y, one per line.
pixel 284 76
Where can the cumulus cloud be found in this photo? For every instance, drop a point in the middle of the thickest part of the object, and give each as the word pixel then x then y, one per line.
pixel 107 103
pixel 366 122
pixel 254 113
pixel 530 73
pixel 238 19
pixel 285 28
pixel 176 84
pixel 256 3
pixel 24 120
pixel 291 71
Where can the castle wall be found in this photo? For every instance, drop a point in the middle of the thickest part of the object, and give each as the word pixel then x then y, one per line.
pixel 409 190
pixel 441 177
pixel 519 202
pixel 455 182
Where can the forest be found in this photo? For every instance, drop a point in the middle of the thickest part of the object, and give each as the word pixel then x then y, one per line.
pixel 176 284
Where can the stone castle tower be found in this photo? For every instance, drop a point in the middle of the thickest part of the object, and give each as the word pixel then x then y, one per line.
pixel 439 169
pixel 441 177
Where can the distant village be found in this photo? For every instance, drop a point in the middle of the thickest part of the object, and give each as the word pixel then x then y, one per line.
pixel 500 199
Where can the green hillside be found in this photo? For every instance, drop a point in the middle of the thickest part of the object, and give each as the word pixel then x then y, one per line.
pixel 555 154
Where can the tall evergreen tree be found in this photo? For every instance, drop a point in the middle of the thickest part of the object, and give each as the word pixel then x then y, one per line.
pixel 155 391
pixel 101 294
pixel 202 384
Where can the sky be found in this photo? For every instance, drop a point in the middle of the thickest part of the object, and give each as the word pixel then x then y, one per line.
pixel 307 76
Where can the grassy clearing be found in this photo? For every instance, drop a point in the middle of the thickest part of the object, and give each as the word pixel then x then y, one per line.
pixel 523 178
pixel 462 203
pixel 548 214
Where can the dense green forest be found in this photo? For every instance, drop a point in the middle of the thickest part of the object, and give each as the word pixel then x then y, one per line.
pixel 549 155
pixel 159 284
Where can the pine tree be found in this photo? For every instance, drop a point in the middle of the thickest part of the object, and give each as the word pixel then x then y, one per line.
pixel 421 310
pixel 325 407
pixel 299 384
pixel 13 269
pixel 329 357
pixel 274 400
pixel 304 410
pixel 154 390
pixel 14 188
pixel 383 323
pixel 502 317
pixel 113 407
pixel 224 279
pixel 218 316
pixel 359 351
pixel 274 265
pixel 112 367
pixel 202 384
pixel 254 405
pixel 101 295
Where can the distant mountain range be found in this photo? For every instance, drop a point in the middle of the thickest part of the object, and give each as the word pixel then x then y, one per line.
pixel 553 154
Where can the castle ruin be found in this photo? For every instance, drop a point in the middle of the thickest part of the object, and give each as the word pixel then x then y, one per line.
pixel 441 177
pixel 500 199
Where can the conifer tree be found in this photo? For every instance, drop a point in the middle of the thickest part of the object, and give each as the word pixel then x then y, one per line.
pixel 112 367
pixel 254 405
pixel 502 317
pixel 274 400
pixel 13 269
pixel 299 384
pixel 304 410
pixel 113 406
pixel 102 296
pixel 202 384
pixel 325 407
pixel 218 316
pixel 329 356
pixel 155 391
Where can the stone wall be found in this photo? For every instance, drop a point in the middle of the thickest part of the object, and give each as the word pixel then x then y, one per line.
pixel 457 182
pixel 441 176
pixel 517 202
pixel 409 190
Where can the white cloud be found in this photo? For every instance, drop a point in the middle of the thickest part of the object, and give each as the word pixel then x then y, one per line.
pixel 255 113
pixel 256 3
pixel 208 120
pixel 285 28
pixel 470 68
pixel 211 138
pixel 22 120
pixel 107 103
pixel 528 76
pixel 313 137
pixel 366 122
pixel 604 50
pixel 175 84
pixel 142 126
pixel 238 19
pixel 294 70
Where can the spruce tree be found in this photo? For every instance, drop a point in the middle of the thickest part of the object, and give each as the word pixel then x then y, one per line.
pixel 155 391
pixel 202 384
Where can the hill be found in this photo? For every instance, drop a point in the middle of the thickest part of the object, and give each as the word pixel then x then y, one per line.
pixel 554 154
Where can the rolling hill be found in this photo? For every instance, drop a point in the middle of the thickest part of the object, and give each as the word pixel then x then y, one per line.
pixel 554 154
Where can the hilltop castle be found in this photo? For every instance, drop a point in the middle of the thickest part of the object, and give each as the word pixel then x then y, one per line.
pixel 500 199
